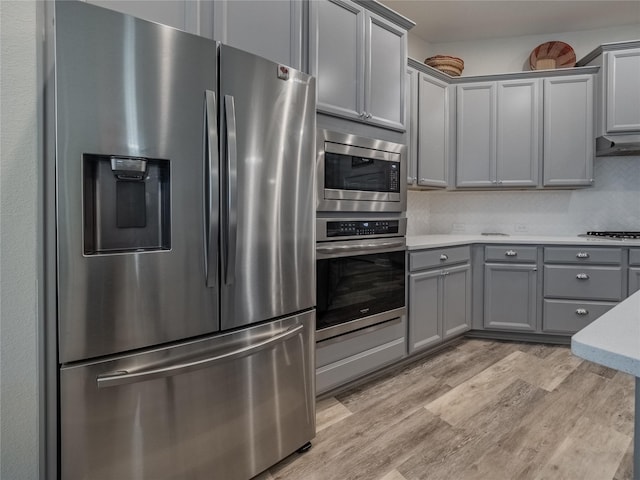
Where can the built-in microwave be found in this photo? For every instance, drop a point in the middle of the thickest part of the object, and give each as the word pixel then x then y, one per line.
pixel 359 174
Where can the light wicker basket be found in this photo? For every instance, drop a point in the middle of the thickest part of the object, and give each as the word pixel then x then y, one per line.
pixel 450 65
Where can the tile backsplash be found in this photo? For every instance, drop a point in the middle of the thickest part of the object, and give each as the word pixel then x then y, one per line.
pixel 613 203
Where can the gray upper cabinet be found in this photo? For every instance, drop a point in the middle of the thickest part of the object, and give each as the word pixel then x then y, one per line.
pixel 435 101
pixel 568 131
pixel 190 16
pixel 622 113
pixel 476 135
pixel 359 59
pixel 269 28
pixel 518 144
pixel 498 134
pixel 411 121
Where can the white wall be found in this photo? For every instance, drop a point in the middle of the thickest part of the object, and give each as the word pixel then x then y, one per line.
pixel 502 55
pixel 19 441
pixel 613 203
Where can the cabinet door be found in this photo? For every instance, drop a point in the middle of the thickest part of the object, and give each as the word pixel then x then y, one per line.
pixel 456 301
pixel 336 56
pixel 269 28
pixel 634 279
pixel 182 14
pixel 623 91
pixel 518 141
pixel 476 135
pixel 510 296
pixel 433 124
pixel 568 131
pixel 411 115
pixel 425 309
pixel 385 64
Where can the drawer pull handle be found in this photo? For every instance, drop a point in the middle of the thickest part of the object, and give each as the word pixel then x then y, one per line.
pixel 582 255
pixel 444 257
pixel 582 276
pixel 582 311
pixel 511 253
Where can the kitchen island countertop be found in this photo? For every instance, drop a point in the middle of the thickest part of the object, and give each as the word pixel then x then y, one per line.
pixel 417 242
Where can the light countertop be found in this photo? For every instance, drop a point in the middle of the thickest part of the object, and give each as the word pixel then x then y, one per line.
pixel 613 340
pixel 417 242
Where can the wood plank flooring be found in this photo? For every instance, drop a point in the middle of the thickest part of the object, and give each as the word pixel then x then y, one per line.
pixel 478 410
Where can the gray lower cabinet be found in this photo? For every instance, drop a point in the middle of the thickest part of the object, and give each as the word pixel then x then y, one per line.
pixel 269 28
pixel 580 284
pixel 634 280
pixel 510 296
pixel 634 271
pixel 345 358
pixel 439 298
pixel 359 60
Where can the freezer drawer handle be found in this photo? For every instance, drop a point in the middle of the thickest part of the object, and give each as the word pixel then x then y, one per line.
pixel 124 377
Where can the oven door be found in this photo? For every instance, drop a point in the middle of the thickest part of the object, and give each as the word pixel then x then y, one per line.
pixel 359 283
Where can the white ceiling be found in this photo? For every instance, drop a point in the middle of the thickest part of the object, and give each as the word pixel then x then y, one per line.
pixel 457 20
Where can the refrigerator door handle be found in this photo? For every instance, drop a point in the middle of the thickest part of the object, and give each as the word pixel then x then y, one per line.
pixel 232 190
pixel 124 377
pixel 211 221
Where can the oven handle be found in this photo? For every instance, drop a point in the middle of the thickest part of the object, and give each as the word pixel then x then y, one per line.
pixel 361 247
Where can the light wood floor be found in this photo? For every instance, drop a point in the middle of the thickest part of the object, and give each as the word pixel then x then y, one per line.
pixel 478 410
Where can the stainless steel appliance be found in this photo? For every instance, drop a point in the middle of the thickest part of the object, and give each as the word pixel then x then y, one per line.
pixel 184 180
pixel 358 174
pixel 360 273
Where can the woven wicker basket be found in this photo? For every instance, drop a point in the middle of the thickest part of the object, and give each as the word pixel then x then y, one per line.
pixel 450 65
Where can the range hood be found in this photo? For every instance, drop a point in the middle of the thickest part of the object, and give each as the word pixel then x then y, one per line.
pixel 617 145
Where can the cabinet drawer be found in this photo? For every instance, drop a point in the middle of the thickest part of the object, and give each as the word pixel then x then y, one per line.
pixel 585 255
pixel 596 283
pixel 561 316
pixel 510 253
pixel 438 257
pixel 338 348
pixel 634 256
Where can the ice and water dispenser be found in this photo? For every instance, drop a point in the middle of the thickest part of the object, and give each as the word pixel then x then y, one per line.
pixel 126 204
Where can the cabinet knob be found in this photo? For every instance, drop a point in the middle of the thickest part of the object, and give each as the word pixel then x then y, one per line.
pixel 444 257
pixel 368 115
pixel 582 311
pixel 582 276
pixel 362 115
pixel 511 253
pixel 582 255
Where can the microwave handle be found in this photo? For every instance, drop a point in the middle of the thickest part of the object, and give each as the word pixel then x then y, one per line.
pixel 361 247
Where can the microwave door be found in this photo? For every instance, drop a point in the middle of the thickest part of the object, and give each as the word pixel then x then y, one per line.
pixel 131 159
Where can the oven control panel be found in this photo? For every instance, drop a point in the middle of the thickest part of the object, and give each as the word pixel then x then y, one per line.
pixel 350 228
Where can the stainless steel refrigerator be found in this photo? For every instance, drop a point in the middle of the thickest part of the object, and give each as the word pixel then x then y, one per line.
pixel 185 268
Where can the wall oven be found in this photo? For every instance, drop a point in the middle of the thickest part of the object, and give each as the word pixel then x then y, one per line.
pixel 360 273
pixel 359 174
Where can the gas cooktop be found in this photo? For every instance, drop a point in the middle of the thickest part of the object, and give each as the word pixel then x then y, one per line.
pixel 615 235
